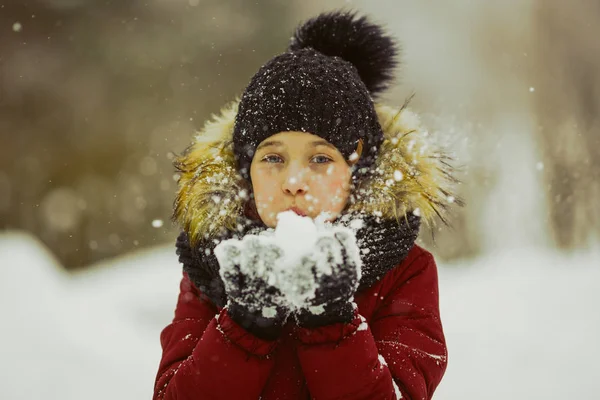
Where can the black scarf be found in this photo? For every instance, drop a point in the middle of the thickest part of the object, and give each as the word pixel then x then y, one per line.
pixel 383 244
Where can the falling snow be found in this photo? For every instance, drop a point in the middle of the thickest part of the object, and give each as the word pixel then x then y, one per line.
pixel 398 175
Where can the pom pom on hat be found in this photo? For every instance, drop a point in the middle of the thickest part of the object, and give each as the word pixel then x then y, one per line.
pixel 354 39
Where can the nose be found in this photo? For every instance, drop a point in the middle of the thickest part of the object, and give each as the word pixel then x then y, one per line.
pixel 294 182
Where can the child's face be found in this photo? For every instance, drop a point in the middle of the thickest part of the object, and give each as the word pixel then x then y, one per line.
pixel 301 170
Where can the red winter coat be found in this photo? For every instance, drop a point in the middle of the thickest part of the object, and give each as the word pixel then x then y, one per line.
pixel 400 347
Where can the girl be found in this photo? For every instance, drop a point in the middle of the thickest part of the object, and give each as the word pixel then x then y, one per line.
pixel 306 136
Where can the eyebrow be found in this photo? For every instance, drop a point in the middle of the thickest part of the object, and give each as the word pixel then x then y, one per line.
pixel 323 143
pixel 269 143
pixel 278 143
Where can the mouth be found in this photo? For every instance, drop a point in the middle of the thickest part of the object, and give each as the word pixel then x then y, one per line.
pixel 297 211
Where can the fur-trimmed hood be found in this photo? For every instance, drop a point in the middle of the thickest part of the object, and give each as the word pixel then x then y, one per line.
pixel 411 175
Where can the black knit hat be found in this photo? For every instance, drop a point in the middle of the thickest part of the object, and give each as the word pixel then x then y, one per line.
pixel 323 85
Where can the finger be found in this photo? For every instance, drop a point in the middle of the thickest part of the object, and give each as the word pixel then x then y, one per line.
pixel 307 265
pixel 330 258
pixel 303 278
pixel 346 240
pixel 348 262
pixel 250 258
pixel 227 253
pixel 349 248
pixel 325 242
pixel 274 251
pixel 272 254
pixel 326 246
pixel 230 271
pixel 232 252
pixel 232 277
pixel 343 237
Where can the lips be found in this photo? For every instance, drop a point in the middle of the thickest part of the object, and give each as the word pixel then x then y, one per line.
pixel 297 211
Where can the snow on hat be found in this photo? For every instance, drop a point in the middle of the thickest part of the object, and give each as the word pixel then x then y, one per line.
pixel 322 85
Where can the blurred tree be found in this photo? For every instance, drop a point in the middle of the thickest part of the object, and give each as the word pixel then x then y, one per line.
pixel 95 95
pixel 568 104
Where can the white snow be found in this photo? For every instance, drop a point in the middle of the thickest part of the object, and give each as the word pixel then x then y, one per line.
pixel 521 324
pixel 92 335
pixel 269 312
pixel 384 363
pixel 397 391
pixel 297 237
pixel 398 175
pixel 364 326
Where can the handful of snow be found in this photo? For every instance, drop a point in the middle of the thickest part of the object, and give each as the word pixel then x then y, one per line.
pixel 297 270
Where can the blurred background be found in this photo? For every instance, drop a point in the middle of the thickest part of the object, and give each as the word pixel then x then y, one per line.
pixel 97 96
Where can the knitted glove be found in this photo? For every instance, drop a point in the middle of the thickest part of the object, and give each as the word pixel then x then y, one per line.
pixel 336 272
pixel 254 300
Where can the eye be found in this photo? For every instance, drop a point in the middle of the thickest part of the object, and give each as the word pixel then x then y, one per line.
pixel 271 159
pixel 322 159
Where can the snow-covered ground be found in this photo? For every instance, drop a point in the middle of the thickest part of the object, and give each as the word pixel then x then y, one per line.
pixel 521 324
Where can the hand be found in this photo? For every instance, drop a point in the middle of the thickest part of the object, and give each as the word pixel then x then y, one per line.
pixel 248 273
pixel 335 269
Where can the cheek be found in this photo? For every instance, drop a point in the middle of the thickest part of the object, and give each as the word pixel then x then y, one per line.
pixel 264 187
pixel 332 191
pixel 335 185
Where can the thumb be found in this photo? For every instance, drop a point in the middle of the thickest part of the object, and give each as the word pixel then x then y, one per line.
pixel 228 254
pixel 344 237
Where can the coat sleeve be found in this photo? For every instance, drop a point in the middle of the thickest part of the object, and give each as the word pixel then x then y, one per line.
pixel 400 355
pixel 207 355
